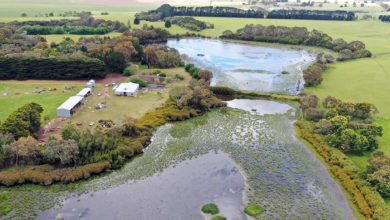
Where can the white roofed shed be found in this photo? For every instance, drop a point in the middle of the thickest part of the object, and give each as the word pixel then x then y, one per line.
pixel 84 92
pixel 67 108
pixel 127 89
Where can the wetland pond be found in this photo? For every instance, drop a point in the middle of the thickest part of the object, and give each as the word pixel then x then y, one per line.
pixel 249 66
pixel 228 156
pixel 246 153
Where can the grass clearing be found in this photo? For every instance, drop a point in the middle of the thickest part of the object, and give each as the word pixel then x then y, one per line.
pixel 120 107
pixel 20 93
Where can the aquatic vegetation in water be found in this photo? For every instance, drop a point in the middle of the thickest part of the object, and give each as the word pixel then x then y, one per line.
pixel 210 208
pixel 218 217
pixel 281 174
pixel 254 210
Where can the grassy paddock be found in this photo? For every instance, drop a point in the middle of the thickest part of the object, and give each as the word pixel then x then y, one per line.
pixel 50 100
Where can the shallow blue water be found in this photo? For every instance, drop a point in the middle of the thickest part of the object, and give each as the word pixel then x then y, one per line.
pixel 250 67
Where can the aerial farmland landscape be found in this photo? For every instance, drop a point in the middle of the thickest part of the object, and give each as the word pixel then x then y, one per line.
pixel 205 109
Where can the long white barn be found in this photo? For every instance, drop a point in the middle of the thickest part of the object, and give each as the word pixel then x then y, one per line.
pixel 67 108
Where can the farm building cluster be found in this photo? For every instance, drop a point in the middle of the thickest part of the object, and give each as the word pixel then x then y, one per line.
pixel 67 108
pixel 70 105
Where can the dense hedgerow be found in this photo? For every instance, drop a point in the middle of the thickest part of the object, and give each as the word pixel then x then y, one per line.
pixel 51 68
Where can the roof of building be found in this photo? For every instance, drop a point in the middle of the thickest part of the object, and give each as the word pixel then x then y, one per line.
pixel 71 103
pixel 127 87
pixel 84 92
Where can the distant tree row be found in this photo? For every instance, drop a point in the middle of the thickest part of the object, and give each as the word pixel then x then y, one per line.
pixel 299 36
pixel 88 21
pixel 50 68
pixel 385 18
pixel 312 15
pixel 166 10
pixel 80 30
pixel 190 23
pixel 208 11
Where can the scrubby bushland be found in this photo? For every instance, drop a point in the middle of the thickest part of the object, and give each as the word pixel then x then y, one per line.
pixel 340 124
pixel 369 202
pixel 208 11
pixel 150 35
pixel 197 73
pixel 312 15
pixel 378 172
pixel 161 56
pixel 86 20
pixel 298 36
pixel 80 30
pixel 190 23
pixel 312 74
pixel 50 68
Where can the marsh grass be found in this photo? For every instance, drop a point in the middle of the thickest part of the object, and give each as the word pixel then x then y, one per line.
pixel 254 210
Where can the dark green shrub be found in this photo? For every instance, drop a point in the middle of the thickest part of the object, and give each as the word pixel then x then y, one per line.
pixel 210 208
pixel 139 81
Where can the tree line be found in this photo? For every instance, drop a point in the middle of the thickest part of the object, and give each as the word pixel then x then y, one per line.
pixel 80 30
pixel 86 20
pixel 208 11
pixel 312 15
pixel 50 68
pixel 299 36
pixel 166 10
pixel 385 18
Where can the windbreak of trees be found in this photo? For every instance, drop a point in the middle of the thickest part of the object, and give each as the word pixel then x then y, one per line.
pixel 312 15
pixel 385 18
pixel 299 36
pixel 80 30
pixel 50 68
pixel 190 23
pixel 208 11
pixel 87 20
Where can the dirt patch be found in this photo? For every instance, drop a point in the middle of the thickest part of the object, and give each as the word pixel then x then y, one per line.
pixel 112 78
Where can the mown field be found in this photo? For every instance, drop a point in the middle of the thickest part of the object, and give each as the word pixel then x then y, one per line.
pixel 14 94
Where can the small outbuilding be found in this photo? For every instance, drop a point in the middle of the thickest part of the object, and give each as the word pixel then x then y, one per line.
pixel 127 89
pixel 91 84
pixel 68 107
pixel 85 92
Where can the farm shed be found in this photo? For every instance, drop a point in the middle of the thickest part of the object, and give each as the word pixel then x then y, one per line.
pixel 68 107
pixel 127 89
pixel 84 92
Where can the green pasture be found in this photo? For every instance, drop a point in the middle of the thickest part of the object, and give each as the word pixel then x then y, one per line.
pixel 20 93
